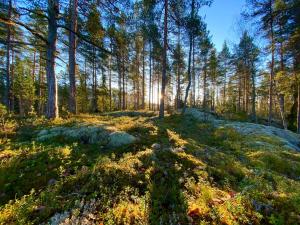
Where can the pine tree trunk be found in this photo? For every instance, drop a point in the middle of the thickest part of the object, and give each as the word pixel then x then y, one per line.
pixel 150 76
pixel 110 90
pixel 298 110
pixel 72 56
pixel 33 68
pixel 189 76
pixel 143 78
pixel 138 82
pixel 8 46
pixel 272 73
pixel 194 75
pixel 164 64
pixel 12 78
pixel 40 90
pixel 189 63
pixel 52 105
pixel 123 82
pixel 253 112
pixel 204 84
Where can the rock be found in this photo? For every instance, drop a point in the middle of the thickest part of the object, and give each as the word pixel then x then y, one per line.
pixel 51 181
pixel 85 133
pixel 199 115
pixel 119 138
pixel 155 146
pixel 178 150
pixel 287 138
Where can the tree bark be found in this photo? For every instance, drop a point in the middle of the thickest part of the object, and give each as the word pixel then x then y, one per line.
pixel 189 62
pixel 204 84
pixel 194 75
pixel 33 68
pixel 72 57
pixel 150 76
pixel 123 83
pixel 143 78
pixel 164 64
pixel 52 106
pixel 298 110
pixel 272 69
pixel 253 113
pixel 8 46
pixel 40 90
pixel 110 90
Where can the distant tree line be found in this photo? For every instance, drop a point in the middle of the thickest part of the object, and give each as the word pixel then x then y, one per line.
pixel 96 56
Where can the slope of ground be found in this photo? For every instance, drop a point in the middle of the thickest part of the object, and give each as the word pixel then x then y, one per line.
pixel 181 170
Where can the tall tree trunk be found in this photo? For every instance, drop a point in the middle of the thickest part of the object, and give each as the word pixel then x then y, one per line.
pixel 239 93
pixel 33 68
pixel 189 76
pixel 12 78
pixel 123 82
pixel 8 46
pixel 164 64
pixel 158 83
pixel 280 96
pixel 194 75
pixel 119 81
pixel 150 74
pixel 204 84
pixel 94 84
pixel 298 110
pixel 189 62
pixel 272 70
pixel 253 111
pixel 143 78
pixel 138 82
pixel 72 56
pixel 40 89
pixel 52 104
pixel 110 90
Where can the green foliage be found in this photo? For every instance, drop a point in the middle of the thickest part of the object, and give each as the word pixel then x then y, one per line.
pixel 221 178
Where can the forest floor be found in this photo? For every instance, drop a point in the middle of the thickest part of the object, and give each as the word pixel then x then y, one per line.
pixel 174 171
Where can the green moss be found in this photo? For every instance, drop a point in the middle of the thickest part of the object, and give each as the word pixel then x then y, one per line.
pixel 221 178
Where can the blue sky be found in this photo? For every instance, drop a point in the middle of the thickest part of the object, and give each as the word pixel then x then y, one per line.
pixel 221 18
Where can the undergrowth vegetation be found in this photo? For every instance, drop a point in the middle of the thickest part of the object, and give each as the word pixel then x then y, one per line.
pixel 195 174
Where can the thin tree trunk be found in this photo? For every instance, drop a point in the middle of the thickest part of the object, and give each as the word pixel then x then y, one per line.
pixel 138 82
pixel 52 104
pixel 8 46
pixel 72 56
pixel 110 90
pixel 189 76
pixel 204 84
pixel 158 83
pixel 189 62
pixel 12 76
pixel 150 75
pixel 253 97
pixel 194 75
pixel 119 82
pixel 123 81
pixel 272 72
pixel 33 68
pixel 298 110
pixel 143 78
pixel 164 64
pixel 40 91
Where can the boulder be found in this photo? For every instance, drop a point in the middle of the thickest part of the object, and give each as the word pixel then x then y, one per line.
pixel 119 138
pixel 156 146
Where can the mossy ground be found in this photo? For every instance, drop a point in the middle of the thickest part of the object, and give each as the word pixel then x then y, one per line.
pixel 219 179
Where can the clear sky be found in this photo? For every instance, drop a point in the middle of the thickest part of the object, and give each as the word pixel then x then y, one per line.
pixel 221 18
